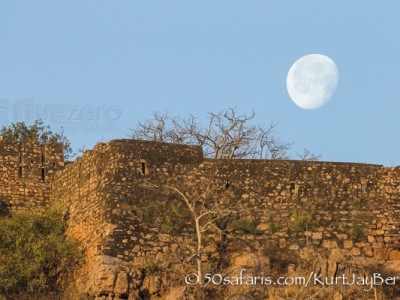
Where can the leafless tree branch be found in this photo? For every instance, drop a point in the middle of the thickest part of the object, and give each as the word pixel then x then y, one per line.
pixel 225 135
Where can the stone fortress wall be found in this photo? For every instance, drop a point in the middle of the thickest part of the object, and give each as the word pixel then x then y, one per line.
pixel 26 172
pixel 114 214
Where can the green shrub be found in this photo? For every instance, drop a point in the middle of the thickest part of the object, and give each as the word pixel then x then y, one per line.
pixel 152 211
pixel 221 223
pixel 356 203
pixel 303 220
pixel 36 132
pixel 245 225
pixel 356 231
pixel 272 227
pixel 152 268
pixel 268 247
pixel 169 217
pixel 35 255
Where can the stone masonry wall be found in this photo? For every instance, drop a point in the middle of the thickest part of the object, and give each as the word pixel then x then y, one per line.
pixel 119 218
pixel 26 172
pixel 342 198
pixel 93 189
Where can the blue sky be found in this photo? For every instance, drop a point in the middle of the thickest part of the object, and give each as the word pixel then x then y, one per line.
pixel 99 67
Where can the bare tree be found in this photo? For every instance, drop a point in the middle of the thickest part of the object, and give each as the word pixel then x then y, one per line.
pixel 227 134
pixel 308 155
pixel 204 205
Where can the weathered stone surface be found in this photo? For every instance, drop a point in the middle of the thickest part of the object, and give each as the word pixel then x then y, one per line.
pixel 263 227
pixel 251 260
pixel 355 251
pixel 392 266
pixel 337 296
pixel 240 297
pixel 122 283
pixel 347 244
pixel 381 253
pixel 317 235
pixel 368 251
pixel 177 293
pixel 394 255
pixel 329 244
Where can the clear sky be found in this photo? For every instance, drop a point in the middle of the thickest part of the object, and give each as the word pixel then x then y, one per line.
pixel 99 67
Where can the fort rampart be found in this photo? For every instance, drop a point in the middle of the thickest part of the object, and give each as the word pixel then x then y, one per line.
pixel 123 224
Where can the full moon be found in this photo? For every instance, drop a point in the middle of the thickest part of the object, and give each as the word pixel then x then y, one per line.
pixel 312 80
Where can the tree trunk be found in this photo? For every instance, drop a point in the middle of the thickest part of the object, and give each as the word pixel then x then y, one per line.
pixel 199 254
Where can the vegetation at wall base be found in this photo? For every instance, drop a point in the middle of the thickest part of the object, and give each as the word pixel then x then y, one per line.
pixel 36 258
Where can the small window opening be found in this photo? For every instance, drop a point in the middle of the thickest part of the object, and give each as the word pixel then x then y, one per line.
pixel 20 172
pixel 292 188
pixel 43 174
pixel 364 187
pixel 54 164
pixel 227 184
pixel 144 170
pixel 32 161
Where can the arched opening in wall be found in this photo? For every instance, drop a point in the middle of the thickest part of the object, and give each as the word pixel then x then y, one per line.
pixel 20 171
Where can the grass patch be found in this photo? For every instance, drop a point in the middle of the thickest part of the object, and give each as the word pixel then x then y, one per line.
pixel 303 220
pixel 356 231
pixel 245 225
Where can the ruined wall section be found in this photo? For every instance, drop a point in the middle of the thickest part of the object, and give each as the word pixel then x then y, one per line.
pixel 26 171
pixel 99 190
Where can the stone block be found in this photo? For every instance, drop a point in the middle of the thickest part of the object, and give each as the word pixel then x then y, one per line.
pixel 381 253
pixel 329 244
pixel 394 255
pixel 121 283
pixel 317 235
pixel 347 244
